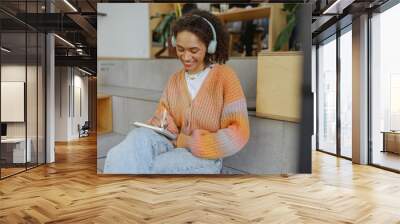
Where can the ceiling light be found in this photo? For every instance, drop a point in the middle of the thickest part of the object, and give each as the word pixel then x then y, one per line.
pixel 86 72
pixel 337 7
pixel 65 41
pixel 5 49
pixel 70 5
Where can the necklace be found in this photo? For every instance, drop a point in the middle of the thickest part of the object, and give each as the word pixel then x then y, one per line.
pixel 193 76
pixel 196 75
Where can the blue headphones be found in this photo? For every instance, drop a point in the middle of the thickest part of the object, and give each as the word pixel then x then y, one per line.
pixel 212 46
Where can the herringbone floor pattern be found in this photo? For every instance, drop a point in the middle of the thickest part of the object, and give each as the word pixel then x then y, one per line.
pixel 70 191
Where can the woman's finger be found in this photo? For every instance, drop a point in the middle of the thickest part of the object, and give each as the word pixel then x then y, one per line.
pixel 155 121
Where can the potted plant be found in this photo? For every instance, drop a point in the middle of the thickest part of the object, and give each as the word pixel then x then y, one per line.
pixel 286 34
pixel 162 33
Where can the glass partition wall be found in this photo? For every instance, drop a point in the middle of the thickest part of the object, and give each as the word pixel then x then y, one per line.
pixel 22 88
pixel 13 88
pixel 334 94
pixel 383 94
pixel 385 89
pixel 326 140
pixel 346 95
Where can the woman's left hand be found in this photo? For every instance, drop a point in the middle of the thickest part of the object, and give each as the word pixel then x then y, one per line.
pixel 198 132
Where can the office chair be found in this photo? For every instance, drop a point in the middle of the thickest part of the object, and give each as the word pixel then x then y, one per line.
pixel 84 130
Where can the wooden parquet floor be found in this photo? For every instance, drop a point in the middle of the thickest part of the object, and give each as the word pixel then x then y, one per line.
pixel 10 171
pixel 70 191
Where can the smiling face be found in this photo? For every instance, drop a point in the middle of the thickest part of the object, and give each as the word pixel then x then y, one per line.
pixel 190 51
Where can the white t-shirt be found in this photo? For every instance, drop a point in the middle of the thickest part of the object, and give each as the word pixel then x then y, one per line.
pixel 195 84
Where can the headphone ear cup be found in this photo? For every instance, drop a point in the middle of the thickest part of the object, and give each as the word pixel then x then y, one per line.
pixel 212 47
pixel 173 41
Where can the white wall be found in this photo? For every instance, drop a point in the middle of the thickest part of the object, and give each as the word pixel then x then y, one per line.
pixel 12 101
pixel 61 103
pixel 14 73
pixel 124 31
pixel 17 73
pixel 68 81
pixel 80 83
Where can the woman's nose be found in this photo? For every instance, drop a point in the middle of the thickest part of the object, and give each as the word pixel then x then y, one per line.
pixel 186 56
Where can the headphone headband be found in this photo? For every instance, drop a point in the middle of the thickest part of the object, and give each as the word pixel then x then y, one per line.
pixel 212 46
pixel 211 26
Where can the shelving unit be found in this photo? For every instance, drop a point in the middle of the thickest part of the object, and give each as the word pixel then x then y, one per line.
pixel 277 18
pixel 104 114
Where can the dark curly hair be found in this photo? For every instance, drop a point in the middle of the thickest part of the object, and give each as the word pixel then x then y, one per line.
pixel 202 30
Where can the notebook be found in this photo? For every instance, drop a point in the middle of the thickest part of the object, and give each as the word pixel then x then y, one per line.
pixel 159 130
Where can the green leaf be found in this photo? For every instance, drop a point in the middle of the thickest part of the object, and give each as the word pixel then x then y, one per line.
pixel 284 36
pixel 161 32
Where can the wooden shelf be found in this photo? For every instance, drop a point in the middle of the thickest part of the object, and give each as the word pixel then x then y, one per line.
pixel 245 14
pixel 104 114
pixel 274 13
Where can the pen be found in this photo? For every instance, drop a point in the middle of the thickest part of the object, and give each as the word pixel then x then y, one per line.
pixel 163 118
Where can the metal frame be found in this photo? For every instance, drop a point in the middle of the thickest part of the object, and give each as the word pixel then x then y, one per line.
pixel 338 95
pixel 381 9
pixel 328 39
pixel 369 81
pixel 26 90
pixel 0 93
pixel 37 92
pixel 316 96
pixel 339 32
pixel 44 75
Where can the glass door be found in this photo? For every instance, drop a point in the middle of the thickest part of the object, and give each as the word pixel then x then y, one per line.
pixel 327 96
pixel 385 89
pixel 13 103
pixel 22 78
pixel 346 93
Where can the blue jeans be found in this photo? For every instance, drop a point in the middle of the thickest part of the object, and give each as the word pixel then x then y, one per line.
pixel 143 151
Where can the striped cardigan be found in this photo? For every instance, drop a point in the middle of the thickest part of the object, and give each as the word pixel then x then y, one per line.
pixel 215 123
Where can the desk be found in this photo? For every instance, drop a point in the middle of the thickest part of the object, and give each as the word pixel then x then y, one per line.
pixel 391 141
pixel 16 147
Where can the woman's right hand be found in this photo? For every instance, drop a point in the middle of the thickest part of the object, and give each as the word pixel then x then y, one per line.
pixel 155 121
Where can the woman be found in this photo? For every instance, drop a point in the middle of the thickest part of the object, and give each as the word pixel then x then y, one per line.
pixel 205 108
